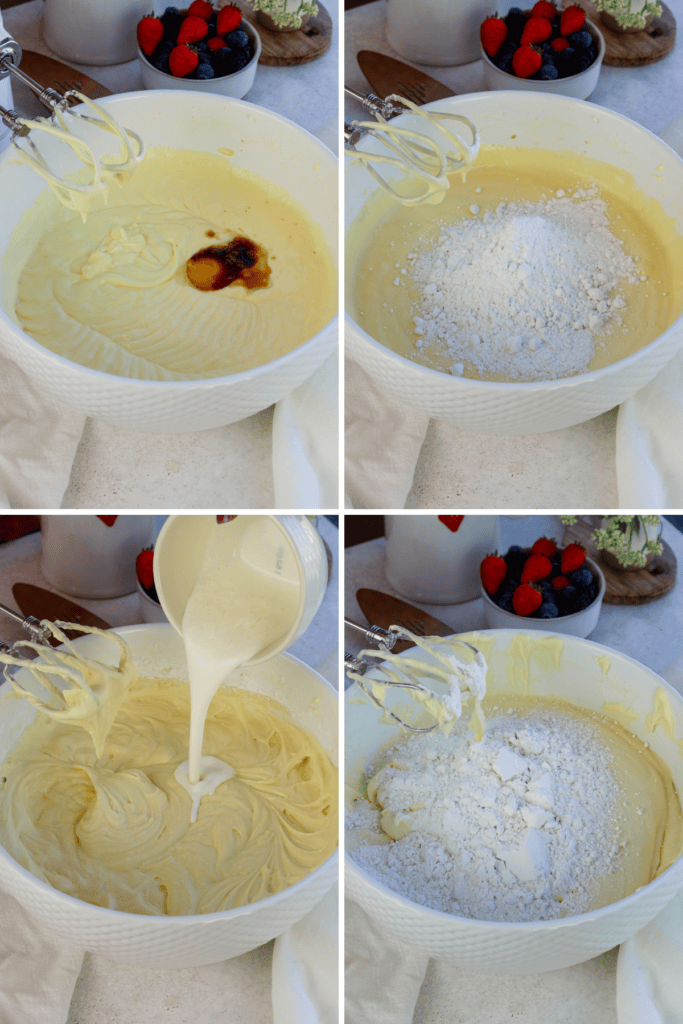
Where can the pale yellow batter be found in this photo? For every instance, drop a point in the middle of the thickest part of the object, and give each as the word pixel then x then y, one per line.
pixel 116 831
pixel 113 294
pixel 384 233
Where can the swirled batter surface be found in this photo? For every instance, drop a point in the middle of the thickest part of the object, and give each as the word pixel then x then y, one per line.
pixel 116 831
pixel 113 294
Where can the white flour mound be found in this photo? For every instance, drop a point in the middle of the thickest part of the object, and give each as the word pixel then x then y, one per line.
pixel 520 826
pixel 522 291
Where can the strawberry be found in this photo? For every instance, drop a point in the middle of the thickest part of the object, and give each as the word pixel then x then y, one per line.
pixel 572 558
pixel 108 520
pixel 536 30
pixel 144 568
pixel 560 582
pixel 559 44
pixel 526 61
pixel 544 546
pixel 216 43
pixel 182 60
pixel 200 9
pixel 572 19
pixel 544 9
pixel 225 519
pixel 229 18
pixel 493 571
pixel 150 34
pixel 493 34
pixel 452 522
pixel 536 567
pixel 192 30
pixel 526 599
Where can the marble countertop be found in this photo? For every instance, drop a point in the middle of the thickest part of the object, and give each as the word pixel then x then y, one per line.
pixel 118 467
pixel 237 990
pixel 578 462
pixel 651 633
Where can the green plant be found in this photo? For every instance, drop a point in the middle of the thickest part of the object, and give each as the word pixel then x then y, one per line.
pixel 286 13
pixel 626 537
pixel 630 13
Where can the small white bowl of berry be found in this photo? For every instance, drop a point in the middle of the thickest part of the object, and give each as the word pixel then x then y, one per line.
pixel 542 50
pixel 199 48
pixel 150 606
pixel 559 589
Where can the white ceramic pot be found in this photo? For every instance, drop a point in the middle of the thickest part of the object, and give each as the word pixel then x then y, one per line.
pixel 587 674
pixel 556 123
pixel 164 941
pixel 439 32
pixel 93 31
pixel 285 546
pixel 428 560
pixel 86 557
pixel 262 142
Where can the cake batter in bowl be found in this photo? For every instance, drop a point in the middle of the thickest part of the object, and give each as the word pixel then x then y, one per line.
pixel 249 141
pixel 180 939
pixel 542 665
pixel 631 158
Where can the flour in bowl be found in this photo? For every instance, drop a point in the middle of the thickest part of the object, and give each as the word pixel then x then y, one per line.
pixel 555 812
pixel 523 290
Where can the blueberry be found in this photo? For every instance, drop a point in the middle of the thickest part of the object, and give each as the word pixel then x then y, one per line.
pixel 160 56
pixel 548 610
pixel 548 73
pixel 583 61
pixel 515 558
pixel 204 71
pixel 504 594
pixel 581 577
pixel 515 20
pixel 503 58
pixel 171 19
pixel 237 39
pixel 581 40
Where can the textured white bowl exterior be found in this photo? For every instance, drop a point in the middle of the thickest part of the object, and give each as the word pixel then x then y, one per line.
pixel 236 85
pixel 262 141
pixel 579 624
pixel 578 86
pixel 553 122
pixel 529 947
pixel 202 938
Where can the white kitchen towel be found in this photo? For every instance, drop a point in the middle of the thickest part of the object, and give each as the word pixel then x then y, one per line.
pixel 38 971
pixel 306 967
pixel 383 442
pixel 306 442
pixel 382 977
pixel 649 431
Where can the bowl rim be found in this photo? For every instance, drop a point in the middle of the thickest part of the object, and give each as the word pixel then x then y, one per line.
pixel 453 921
pixel 72 903
pixel 579 379
pixel 595 32
pixel 253 35
pixel 564 618
pixel 115 381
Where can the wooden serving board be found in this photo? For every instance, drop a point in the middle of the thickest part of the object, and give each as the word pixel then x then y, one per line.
pixel 284 48
pixel 635 586
pixel 633 49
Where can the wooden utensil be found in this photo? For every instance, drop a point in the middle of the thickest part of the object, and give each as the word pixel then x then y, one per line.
pixel 387 75
pixel 384 610
pixel 56 75
pixel 43 604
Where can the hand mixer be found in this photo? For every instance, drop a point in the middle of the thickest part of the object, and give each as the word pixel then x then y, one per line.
pixel 416 153
pixel 60 106
pixel 410 674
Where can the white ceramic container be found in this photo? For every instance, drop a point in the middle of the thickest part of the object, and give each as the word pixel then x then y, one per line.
pixel 86 557
pixel 528 947
pixel 93 31
pixel 438 32
pixel 429 561
pixel 153 941
pixel 263 142
pixel 554 122
pixel 579 86
pixel 579 624
pixel 236 85
pixel 286 546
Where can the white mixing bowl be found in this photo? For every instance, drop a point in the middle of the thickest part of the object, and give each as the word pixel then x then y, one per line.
pixel 261 141
pixel 528 947
pixel 552 122
pixel 194 939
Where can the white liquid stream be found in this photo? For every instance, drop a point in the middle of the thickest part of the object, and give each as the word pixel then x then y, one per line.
pixel 235 611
